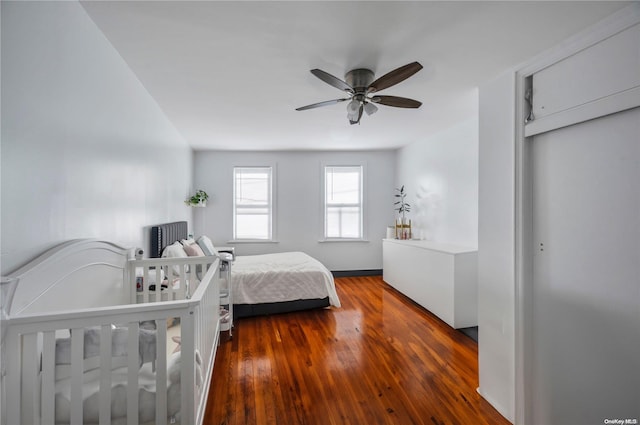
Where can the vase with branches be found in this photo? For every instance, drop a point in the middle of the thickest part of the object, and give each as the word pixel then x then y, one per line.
pixel 403 229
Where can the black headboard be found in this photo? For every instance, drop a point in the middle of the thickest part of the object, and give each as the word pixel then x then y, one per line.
pixel 166 234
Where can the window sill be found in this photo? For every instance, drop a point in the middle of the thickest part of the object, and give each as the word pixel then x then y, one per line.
pixel 328 240
pixel 253 241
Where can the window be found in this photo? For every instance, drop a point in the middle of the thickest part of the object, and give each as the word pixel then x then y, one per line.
pixel 343 202
pixel 252 203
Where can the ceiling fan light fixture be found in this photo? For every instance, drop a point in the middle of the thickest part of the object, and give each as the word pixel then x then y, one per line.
pixel 370 108
pixel 353 109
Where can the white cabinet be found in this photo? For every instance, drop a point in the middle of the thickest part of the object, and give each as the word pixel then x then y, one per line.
pixel 440 277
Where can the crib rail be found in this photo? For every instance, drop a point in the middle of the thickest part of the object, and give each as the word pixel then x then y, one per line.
pixel 166 279
pixel 31 353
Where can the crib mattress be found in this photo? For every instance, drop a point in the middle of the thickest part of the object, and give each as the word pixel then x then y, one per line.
pixel 146 394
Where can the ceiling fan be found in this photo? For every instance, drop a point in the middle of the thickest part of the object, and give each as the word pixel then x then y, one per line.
pixel 360 88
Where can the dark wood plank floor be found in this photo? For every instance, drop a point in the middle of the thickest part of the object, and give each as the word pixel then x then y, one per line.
pixel 380 359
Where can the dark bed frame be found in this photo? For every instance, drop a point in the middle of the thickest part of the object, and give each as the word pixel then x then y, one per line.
pixel 249 310
pixel 163 235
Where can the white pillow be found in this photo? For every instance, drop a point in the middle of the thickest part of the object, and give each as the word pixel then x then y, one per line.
pixel 175 250
pixel 207 246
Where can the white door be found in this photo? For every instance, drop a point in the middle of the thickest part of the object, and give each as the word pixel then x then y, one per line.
pixel 585 359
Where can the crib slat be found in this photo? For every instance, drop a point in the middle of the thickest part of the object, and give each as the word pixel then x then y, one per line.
pixel 130 283
pixel 48 377
pixel 189 273
pixel 170 289
pixel 183 283
pixel 77 369
pixel 135 295
pixel 199 326
pixel 30 406
pixel 187 368
pixel 106 337
pixel 158 294
pixel 13 346
pixel 161 372
pixel 146 283
pixel 132 372
pixel 193 278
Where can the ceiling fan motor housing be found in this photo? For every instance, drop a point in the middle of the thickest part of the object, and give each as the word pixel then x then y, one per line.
pixel 359 79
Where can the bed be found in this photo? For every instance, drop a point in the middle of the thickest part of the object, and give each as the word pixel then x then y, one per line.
pixel 90 338
pixel 268 283
pixel 282 282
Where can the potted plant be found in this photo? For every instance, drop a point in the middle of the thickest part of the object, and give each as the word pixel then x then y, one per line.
pixel 403 229
pixel 198 200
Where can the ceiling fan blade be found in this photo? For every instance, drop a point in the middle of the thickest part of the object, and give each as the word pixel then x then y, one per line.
pixel 319 104
pixel 398 102
pixel 331 80
pixel 394 77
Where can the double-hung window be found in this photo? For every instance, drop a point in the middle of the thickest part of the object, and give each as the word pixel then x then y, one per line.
pixel 252 203
pixel 343 202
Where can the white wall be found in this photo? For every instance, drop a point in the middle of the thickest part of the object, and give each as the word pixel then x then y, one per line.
pixel 440 175
pixel 298 197
pixel 496 244
pixel 86 151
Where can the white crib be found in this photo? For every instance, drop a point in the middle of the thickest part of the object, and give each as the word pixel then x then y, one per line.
pixel 89 295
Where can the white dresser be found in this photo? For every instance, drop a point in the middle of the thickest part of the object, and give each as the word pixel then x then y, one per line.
pixel 440 277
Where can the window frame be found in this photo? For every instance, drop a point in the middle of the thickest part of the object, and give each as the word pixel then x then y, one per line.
pixel 362 204
pixel 271 169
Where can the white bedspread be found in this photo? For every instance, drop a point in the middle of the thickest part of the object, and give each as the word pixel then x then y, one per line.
pixel 286 276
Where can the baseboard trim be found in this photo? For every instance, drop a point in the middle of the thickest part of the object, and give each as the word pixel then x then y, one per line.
pixel 499 407
pixel 471 332
pixel 355 273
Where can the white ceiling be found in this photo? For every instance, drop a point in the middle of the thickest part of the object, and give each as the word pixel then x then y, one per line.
pixel 229 75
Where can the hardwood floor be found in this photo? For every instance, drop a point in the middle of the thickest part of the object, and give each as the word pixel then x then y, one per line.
pixel 379 359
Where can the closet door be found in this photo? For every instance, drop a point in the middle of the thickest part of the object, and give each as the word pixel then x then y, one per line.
pixel 585 360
